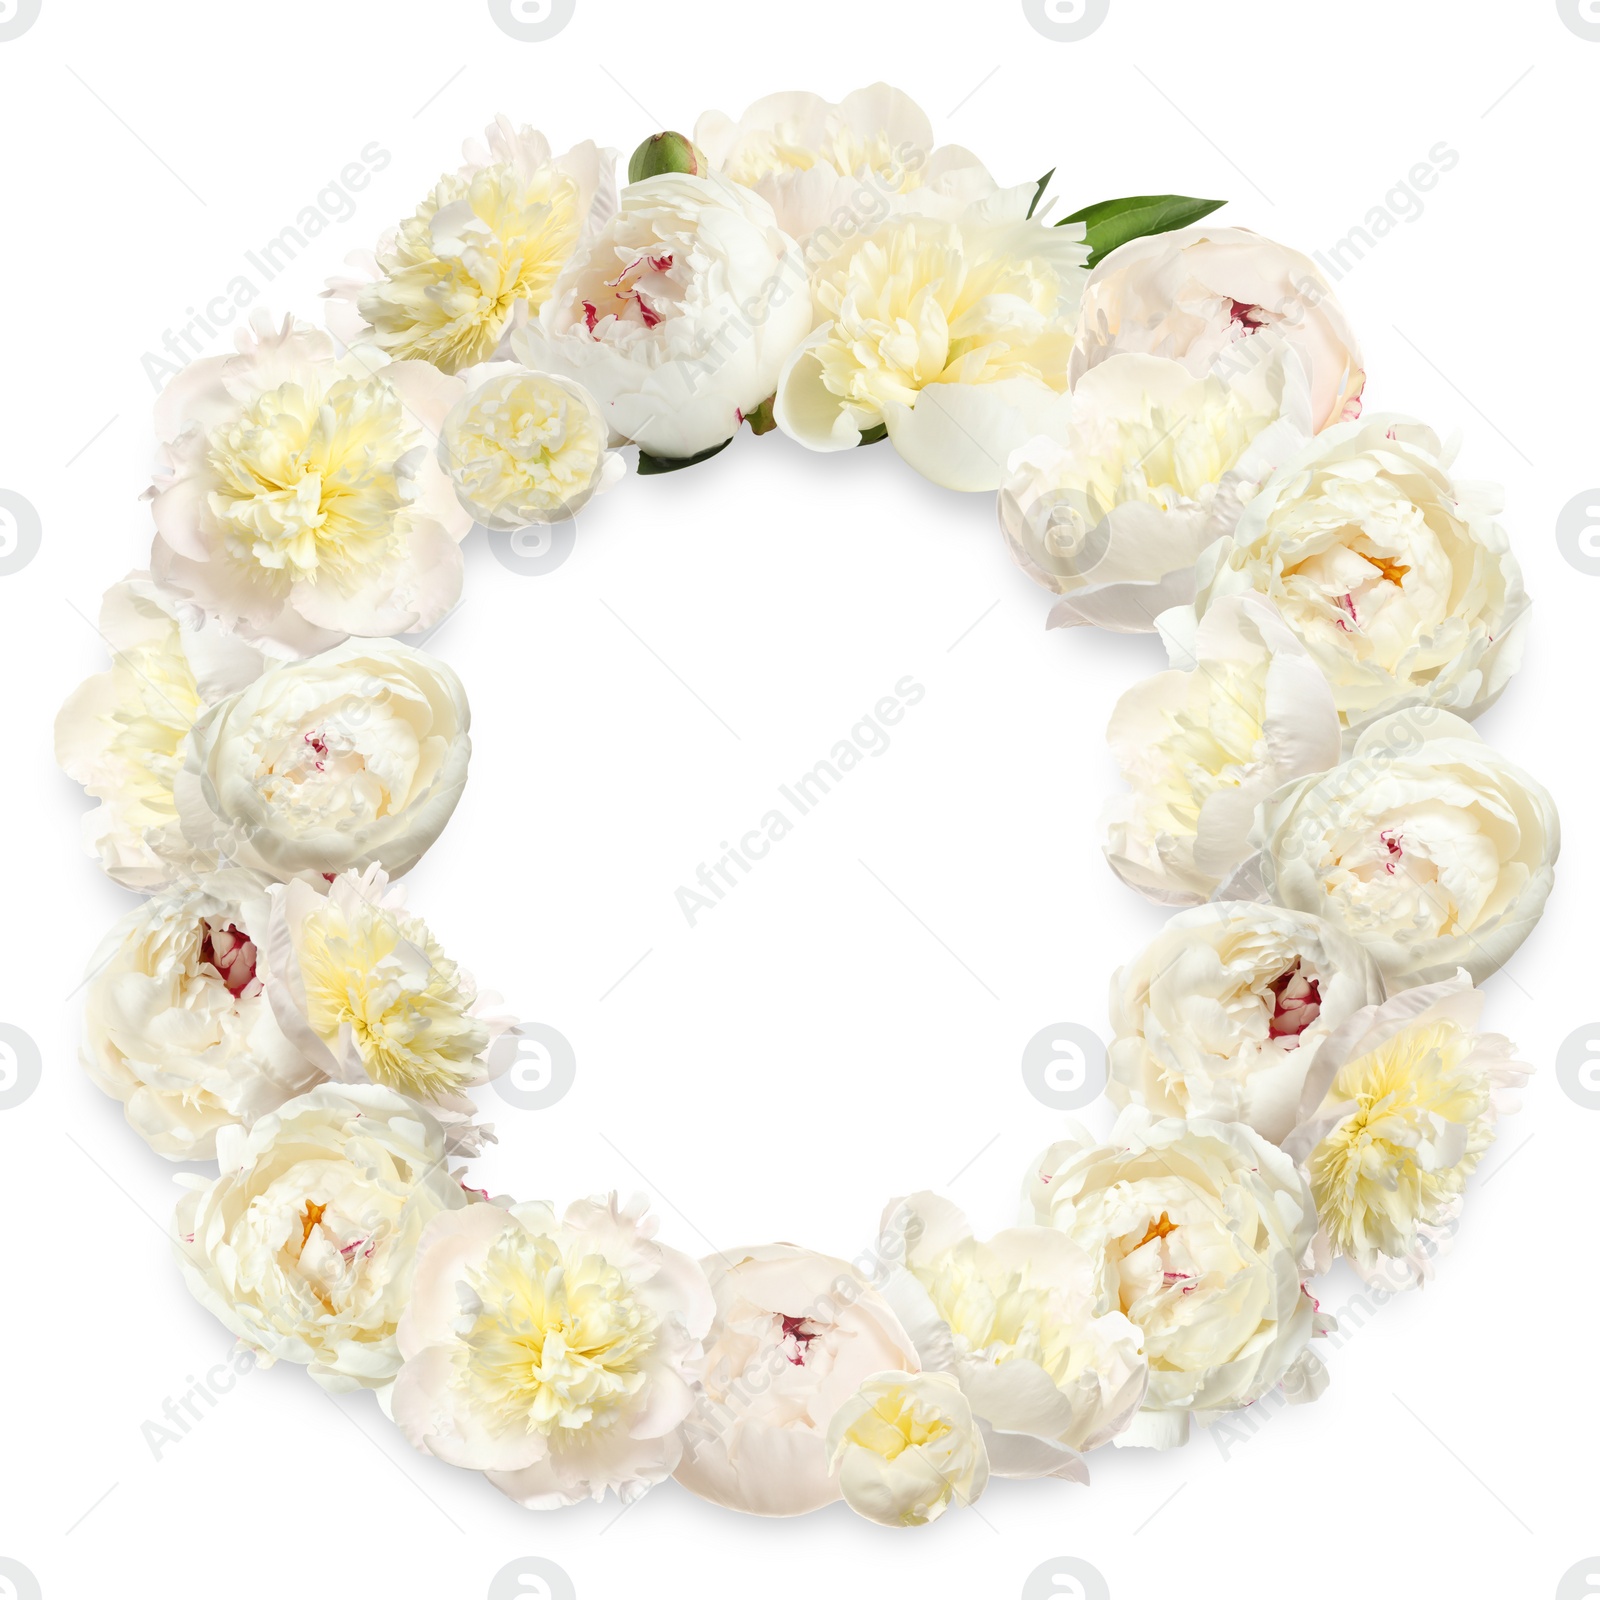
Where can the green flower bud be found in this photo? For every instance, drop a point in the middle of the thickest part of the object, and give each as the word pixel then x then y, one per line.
pixel 667 152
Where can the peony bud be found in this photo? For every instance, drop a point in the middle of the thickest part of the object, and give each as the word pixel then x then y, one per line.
pixel 666 152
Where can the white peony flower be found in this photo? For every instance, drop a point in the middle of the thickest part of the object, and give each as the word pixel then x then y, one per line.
pixel 299 501
pixel 904 1446
pixel 354 758
pixel 826 168
pixel 1145 467
pixel 1016 1321
pixel 553 1354
pixel 304 1245
pixel 1223 1014
pixel 367 993
pixel 951 334
pixel 1398 1111
pixel 1222 299
pixel 1196 1230
pixel 121 733
pixel 1244 710
pixel 175 1024
pixel 490 238
pixel 679 316
pixel 522 448
pixel 1398 578
pixel 1427 845
pixel 795 1335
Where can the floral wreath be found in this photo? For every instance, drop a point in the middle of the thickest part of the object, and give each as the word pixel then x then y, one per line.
pixel 1171 415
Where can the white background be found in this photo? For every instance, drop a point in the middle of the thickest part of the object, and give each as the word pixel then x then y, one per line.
pixel 848 1024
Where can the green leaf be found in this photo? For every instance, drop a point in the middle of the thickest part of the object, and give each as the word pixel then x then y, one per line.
pixel 1115 222
pixel 649 464
pixel 1038 193
pixel 874 435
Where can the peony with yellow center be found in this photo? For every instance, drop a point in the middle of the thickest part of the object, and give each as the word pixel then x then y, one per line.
pixel 488 239
pixel 524 447
pixel 299 501
pixel 905 1446
pixel 552 1353
pixel 953 336
pixel 1405 1101
pixel 366 990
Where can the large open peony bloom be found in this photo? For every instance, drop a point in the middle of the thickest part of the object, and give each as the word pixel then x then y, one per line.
pixel 299 500
pixel 1197 1231
pixel 1015 1319
pixel 1144 467
pixel 491 237
pixel 304 1245
pixel 1427 845
pixel 1398 1112
pixel 175 1023
pixel 679 315
pixel 121 733
pixel 1396 576
pixel 830 170
pixel 554 1354
pixel 1221 300
pixel 954 335
pixel 1244 710
pixel 795 1335
pixel 1223 1014
pixel 354 758
pixel 367 993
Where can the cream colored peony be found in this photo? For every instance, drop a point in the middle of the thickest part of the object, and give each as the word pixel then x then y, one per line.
pixel 1222 300
pixel 1196 1231
pixel 1144 468
pixel 490 238
pixel 795 1335
pixel 1396 576
pixel 905 1446
pixel 121 733
pixel 304 1246
pixel 298 500
pixel 1399 1110
pixel 951 334
pixel 827 170
pixel 352 759
pixel 366 992
pixel 1243 711
pixel 524 448
pixel 1427 845
pixel 554 1354
pixel 679 315
pixel 1015 1320
pixel 175 1024
pixel 1222 1016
